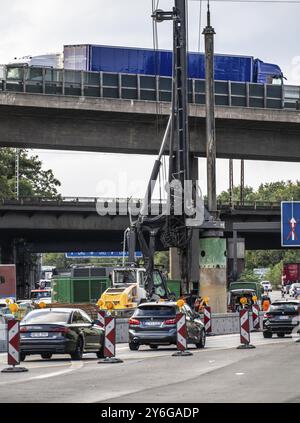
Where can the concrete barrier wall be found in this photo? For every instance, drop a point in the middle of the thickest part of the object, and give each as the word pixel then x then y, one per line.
pixel 222 324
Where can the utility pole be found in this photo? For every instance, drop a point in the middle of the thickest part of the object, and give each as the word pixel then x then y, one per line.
pixel 17 173
pixel 231 184
pixel 211 147
pixel 213 260
pixel 242 196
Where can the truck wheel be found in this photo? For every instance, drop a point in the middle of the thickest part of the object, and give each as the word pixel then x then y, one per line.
pixel 133 346
pixel 268 335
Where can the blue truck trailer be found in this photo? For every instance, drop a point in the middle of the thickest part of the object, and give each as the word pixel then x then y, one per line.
pixel 90 57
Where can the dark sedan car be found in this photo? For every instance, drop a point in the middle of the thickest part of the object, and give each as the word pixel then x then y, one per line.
pixel 60 331
pixel 281 318
pixel 154 324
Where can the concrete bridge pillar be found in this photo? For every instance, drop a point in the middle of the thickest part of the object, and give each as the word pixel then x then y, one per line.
pixel 235 258
pixel 213 272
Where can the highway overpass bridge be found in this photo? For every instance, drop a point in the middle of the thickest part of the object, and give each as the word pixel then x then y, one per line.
pixel 71 224
pixel 120 113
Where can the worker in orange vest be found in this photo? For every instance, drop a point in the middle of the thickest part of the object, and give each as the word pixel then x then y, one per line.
pixel 266 302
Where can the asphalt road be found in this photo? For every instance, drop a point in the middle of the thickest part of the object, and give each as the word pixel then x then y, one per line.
pixel 220 373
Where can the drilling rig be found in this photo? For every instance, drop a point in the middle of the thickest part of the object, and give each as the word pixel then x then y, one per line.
pixel 184 211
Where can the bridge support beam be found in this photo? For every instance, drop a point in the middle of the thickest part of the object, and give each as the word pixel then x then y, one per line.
pixel 213 272
pixel 235 257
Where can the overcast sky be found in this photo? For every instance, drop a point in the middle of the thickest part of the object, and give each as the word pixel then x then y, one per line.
pixel 270 32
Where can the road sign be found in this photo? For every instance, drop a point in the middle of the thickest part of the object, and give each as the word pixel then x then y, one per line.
pixel 290 224
pixel 109 254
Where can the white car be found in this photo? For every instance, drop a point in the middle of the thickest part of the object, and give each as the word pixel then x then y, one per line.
pixel 267 286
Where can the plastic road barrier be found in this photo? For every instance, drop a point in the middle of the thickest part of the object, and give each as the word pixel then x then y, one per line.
pixel 181 336
pixel 255 317
pixel 13 355
pixel 245 330
pixel 110 342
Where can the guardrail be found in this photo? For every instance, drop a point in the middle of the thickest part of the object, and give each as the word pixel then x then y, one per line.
pixel 83 201
pixel 143 87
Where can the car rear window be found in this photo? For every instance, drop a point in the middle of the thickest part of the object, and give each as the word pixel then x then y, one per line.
pixel 284 307
pixel 155 311
pixel 46 317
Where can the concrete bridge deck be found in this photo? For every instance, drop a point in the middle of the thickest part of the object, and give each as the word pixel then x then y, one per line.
pixel 74 225
pixel 131 126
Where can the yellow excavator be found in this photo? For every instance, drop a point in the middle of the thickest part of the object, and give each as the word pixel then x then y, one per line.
pixel 128 290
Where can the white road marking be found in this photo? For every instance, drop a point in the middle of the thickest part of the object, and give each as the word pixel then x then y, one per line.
pixel 74 366
pixel 240 374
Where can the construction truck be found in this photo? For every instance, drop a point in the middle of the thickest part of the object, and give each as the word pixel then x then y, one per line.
pixel 128 290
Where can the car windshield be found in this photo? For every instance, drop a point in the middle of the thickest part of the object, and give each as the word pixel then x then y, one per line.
pixel 46 317
pixel 39 295
pixel 157 311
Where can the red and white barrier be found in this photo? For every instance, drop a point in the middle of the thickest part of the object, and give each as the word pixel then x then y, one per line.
pixel 101 318
pixel 207 320
pixel 110 337
pixel 181 332
pixel 13 356
pixel 110 341
pixel 181 336
pixel 245 329
pixel 13 347
pixel 255 317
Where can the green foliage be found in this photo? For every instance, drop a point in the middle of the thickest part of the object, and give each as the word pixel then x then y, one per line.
pixel 248 276
pixel 162 259
pixel 273 191
pixel 274 274
pixel 57 260
pixel 279 191
pixel 33 179
pixel 249 195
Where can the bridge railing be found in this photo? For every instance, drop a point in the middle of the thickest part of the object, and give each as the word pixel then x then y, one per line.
pixel 92 201
pixel 142 87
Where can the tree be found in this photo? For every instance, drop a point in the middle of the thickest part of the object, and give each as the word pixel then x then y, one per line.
pixel 273 191
pixel 279 191
pixel 33 179
pixel 274 274
pixel 249 195
pixel 248 276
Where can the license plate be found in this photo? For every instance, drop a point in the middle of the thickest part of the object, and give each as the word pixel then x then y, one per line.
pixel 152 323
pixel 39 335
pixel 284 317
